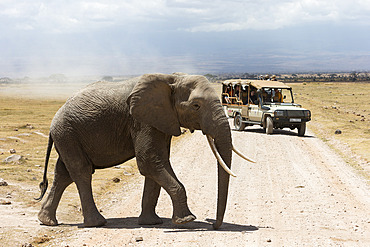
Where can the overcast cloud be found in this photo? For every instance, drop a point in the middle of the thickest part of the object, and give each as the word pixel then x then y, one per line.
pixel 132 37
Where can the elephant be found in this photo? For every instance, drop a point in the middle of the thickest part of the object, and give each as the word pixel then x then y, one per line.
pixel 108 123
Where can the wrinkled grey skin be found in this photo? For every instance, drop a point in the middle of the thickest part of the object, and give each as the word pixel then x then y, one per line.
pixel 108 123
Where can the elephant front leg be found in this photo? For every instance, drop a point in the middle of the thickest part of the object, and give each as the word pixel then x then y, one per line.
pixel 149 202
pixel 152 156
pixel 176 190
pixel 165 177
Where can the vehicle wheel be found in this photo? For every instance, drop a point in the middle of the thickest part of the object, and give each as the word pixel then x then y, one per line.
pixel 238 123
pixel 301 129
pixel 269 126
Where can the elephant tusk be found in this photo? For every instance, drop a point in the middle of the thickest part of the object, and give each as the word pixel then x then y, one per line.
pixel 242 155
pixel 218 156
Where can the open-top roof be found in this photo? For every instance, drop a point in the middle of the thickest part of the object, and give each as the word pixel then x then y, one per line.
pixel 257 83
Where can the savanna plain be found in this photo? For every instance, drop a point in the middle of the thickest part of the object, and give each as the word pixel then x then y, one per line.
pixel 310 191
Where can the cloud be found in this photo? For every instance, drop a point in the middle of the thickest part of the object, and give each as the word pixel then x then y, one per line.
pixel 270 15
pixel 192 16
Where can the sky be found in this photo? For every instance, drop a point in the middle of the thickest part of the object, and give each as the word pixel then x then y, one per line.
pixel 127 37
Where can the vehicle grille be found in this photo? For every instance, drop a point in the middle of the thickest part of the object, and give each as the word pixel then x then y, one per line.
pixel 297 113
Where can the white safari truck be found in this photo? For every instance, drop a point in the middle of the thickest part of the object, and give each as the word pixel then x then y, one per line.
pixel 267 103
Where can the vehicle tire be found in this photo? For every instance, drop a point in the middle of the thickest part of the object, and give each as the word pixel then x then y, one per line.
pixel 301 129
pixel 238 123
pixel 269 126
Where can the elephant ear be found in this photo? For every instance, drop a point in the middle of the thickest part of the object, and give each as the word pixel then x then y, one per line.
pixel 150 102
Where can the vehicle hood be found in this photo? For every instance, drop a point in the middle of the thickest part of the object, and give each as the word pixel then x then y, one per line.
pixel 288 106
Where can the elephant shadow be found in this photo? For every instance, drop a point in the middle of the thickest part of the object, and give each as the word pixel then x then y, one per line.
pixel 131 223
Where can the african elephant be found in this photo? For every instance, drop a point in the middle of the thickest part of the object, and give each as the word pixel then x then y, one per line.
pixel 108 123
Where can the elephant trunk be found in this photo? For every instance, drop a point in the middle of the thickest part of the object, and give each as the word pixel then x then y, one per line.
pixel 221 134
pixel 224 147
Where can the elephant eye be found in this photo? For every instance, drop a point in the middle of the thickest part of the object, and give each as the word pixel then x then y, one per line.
pixel 196 106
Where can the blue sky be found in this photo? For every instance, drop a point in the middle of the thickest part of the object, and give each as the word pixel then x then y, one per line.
pixel 43 37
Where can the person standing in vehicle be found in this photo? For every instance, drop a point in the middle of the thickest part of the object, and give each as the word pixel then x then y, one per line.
pixel 237 92
pixel 253 99
pixel 277 97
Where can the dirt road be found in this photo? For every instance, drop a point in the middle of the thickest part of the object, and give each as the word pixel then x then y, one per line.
pixel 299 193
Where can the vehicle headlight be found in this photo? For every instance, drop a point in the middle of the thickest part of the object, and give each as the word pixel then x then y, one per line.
pixel 307 113
pixel 279 113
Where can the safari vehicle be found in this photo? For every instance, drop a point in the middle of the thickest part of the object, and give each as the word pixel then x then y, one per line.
pixel 267 103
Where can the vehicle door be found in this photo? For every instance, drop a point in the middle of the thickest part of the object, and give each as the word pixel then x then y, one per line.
pixel 255 113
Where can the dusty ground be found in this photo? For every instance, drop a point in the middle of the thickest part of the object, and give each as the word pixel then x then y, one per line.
pixel 299 193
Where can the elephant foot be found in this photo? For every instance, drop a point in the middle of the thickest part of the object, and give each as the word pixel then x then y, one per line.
pixel 183 220
pixel 182 216
pixel 149 219
pixel 46 219
pixel 98 220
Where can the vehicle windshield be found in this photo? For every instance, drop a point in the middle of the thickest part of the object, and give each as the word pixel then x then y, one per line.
pixel 276 96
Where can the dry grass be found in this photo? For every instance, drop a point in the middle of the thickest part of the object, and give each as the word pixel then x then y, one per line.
pixel 340 106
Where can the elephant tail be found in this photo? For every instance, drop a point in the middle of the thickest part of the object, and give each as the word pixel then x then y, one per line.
pixel 44 184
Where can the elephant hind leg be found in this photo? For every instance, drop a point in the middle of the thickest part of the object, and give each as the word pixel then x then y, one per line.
pixel 149 202
pixel 62 179
pixel 81 173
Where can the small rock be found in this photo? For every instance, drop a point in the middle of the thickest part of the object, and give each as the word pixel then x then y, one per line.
pixel 334 107
pixel 116 180
pixel 338 132
pixel 269 240
pixel 3 182
pixel 139 239
pixel 13 158
pixel 29 126
pixel 27 245
pixel 3 202
pixel 12 151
